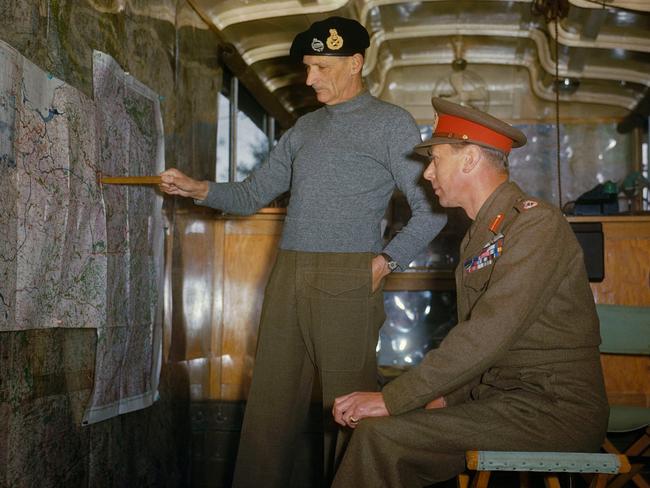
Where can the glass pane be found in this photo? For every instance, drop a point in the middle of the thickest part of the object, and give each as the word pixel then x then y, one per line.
pixel 646 174
pixel 223 138
pixel 416 321
pixel 252 146
pixel 589 154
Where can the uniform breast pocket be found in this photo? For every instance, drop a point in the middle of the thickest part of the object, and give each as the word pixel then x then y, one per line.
pixel 474 286
pixel 478 280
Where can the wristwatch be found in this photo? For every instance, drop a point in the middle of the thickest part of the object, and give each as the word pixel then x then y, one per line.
pixel 392 264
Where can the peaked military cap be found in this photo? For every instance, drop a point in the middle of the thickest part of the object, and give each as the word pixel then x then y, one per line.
pixel 456 123
pixel 334 36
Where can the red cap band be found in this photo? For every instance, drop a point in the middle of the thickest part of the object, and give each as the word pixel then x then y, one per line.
pixel 459 128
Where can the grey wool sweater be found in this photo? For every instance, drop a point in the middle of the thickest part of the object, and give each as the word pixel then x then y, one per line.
pixel 341 163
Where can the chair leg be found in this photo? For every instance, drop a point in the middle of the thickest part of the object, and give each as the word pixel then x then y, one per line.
pixel 481 479
pixel 609 447
pixel 636 449
pixel 524 479
pixel 462 481
pixel 622 479
pixel 551 481
pixel 599 481
pixel 640 445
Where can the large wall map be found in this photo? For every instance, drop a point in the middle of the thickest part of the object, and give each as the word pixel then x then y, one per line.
pixel 74 253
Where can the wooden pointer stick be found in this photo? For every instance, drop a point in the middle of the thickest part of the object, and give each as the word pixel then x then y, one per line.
pixel 130 180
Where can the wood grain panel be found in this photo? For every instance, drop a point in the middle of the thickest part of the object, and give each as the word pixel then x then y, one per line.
pixel 192 276
pixel 199 378
pixel 627 282
pixel 220 266
pixel 216 339
pixel 627 273
pixel 627 379
pixel 250 251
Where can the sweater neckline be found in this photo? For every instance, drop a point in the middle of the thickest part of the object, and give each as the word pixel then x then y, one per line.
pixel 352 104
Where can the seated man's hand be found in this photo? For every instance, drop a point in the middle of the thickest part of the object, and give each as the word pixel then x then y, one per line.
pixel 174 182
pixel 439 402
pixel 350 409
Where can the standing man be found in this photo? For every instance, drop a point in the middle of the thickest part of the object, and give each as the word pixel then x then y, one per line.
pixel 521 369
pixel 323 305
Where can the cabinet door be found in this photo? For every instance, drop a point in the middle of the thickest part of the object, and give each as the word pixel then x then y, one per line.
pixel 220 269
pixel 627 264
pixel 627 282
pixel 250 249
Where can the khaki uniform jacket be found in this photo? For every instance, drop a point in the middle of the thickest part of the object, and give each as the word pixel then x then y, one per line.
pixel 527 324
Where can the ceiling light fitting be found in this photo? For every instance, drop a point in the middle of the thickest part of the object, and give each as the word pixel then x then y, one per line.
pixel 566 85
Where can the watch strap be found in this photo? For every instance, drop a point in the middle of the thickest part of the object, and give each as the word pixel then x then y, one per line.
pixel 392 264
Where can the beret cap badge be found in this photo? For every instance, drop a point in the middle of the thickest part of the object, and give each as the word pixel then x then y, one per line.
pixel 317 45
pixel 334 41
pixel 334 36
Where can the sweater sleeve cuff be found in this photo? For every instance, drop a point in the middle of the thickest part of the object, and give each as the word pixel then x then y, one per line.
pixel 210 198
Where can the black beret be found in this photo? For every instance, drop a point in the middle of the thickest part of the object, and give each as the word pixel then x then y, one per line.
pixel 334 36
pixel 457 123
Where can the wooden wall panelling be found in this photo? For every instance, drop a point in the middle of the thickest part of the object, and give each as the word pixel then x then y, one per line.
pixel 198 371
pixel 249 250
pixel 627 282
pixel 218 229
pixel 192 305
pixel 627 379
pixel 193 309
pixel 627 263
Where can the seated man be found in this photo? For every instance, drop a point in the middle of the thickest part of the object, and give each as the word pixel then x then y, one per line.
pixel 521 369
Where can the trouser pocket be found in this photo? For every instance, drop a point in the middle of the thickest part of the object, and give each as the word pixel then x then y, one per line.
pixel 341 309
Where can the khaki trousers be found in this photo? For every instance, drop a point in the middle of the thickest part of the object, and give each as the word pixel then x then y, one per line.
pixel 319 317
pixel 422 447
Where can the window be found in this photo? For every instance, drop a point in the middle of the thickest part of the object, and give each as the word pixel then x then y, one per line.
pixel 245 132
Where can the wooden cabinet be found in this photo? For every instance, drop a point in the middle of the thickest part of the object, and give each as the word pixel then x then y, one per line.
pixel 627 282
pixel 220 268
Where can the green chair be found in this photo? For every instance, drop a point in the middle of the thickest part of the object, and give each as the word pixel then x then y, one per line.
pixel 626 330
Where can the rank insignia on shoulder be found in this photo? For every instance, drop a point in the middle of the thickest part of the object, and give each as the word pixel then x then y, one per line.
pixel 490 252
pixel 526 204
pixel 496 223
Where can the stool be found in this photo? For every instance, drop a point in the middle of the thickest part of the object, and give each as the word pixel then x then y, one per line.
pixel 624 418
pixel 551 463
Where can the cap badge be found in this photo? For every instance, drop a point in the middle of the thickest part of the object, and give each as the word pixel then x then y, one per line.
pixel 334 41
pixel 317 45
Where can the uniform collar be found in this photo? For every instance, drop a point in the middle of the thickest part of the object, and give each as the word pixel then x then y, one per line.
pixel 500 199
